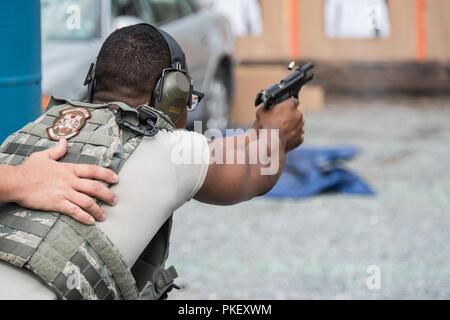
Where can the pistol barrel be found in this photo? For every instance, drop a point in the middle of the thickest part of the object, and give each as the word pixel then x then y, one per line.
pixel 288 87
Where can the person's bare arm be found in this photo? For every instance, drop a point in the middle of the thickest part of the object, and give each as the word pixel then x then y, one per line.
pixel 231 183
pixel 42 183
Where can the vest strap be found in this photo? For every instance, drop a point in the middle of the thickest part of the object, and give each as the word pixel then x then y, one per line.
pixel 110 256
pixel 95 138
pixel 162 284
pixel 66 262
pixel 23 224
pixel 35 129
pixel 27 150
pixel 21 232
pixel 21 149
pixel 14 252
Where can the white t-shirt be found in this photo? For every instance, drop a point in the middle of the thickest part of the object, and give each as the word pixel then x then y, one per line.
pixel 161 175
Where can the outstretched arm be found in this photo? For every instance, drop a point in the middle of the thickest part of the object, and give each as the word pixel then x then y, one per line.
pixel 42 183
pixel 252 162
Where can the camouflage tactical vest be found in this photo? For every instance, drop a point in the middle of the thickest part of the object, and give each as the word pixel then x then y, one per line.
pixel 75 260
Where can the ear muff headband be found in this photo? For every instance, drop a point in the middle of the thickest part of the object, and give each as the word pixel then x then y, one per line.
pixel 177 56
pixel 178 65
pixel 90 81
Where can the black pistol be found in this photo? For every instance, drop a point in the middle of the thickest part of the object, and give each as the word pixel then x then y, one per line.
pixel 287 88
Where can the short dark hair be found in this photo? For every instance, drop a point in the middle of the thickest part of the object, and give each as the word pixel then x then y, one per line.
pixel 131 60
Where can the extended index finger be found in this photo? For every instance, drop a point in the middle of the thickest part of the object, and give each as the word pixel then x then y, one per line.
pixel 85 171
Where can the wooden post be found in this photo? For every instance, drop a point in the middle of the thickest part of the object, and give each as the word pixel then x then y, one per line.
pixel 421 36
pixel 294 25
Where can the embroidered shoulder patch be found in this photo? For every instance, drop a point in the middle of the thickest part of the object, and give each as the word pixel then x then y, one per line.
pixel 68 124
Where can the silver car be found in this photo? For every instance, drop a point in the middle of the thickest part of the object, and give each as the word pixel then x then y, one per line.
pixel 74 30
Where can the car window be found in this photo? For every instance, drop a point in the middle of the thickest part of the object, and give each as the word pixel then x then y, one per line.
pixel 70 19
pixel 125 8
pixel 165 11
pixel 135 8
pixel 195 6
pixel 156 12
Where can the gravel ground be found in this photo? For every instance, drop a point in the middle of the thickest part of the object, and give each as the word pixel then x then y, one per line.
pixel 321 248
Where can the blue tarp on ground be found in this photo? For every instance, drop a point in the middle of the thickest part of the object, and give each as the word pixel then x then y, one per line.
pixel 312 171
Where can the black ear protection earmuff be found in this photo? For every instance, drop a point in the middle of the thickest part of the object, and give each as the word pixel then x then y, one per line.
pixel 174 90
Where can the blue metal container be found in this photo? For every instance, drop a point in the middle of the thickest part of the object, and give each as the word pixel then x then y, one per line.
pixel 20 64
